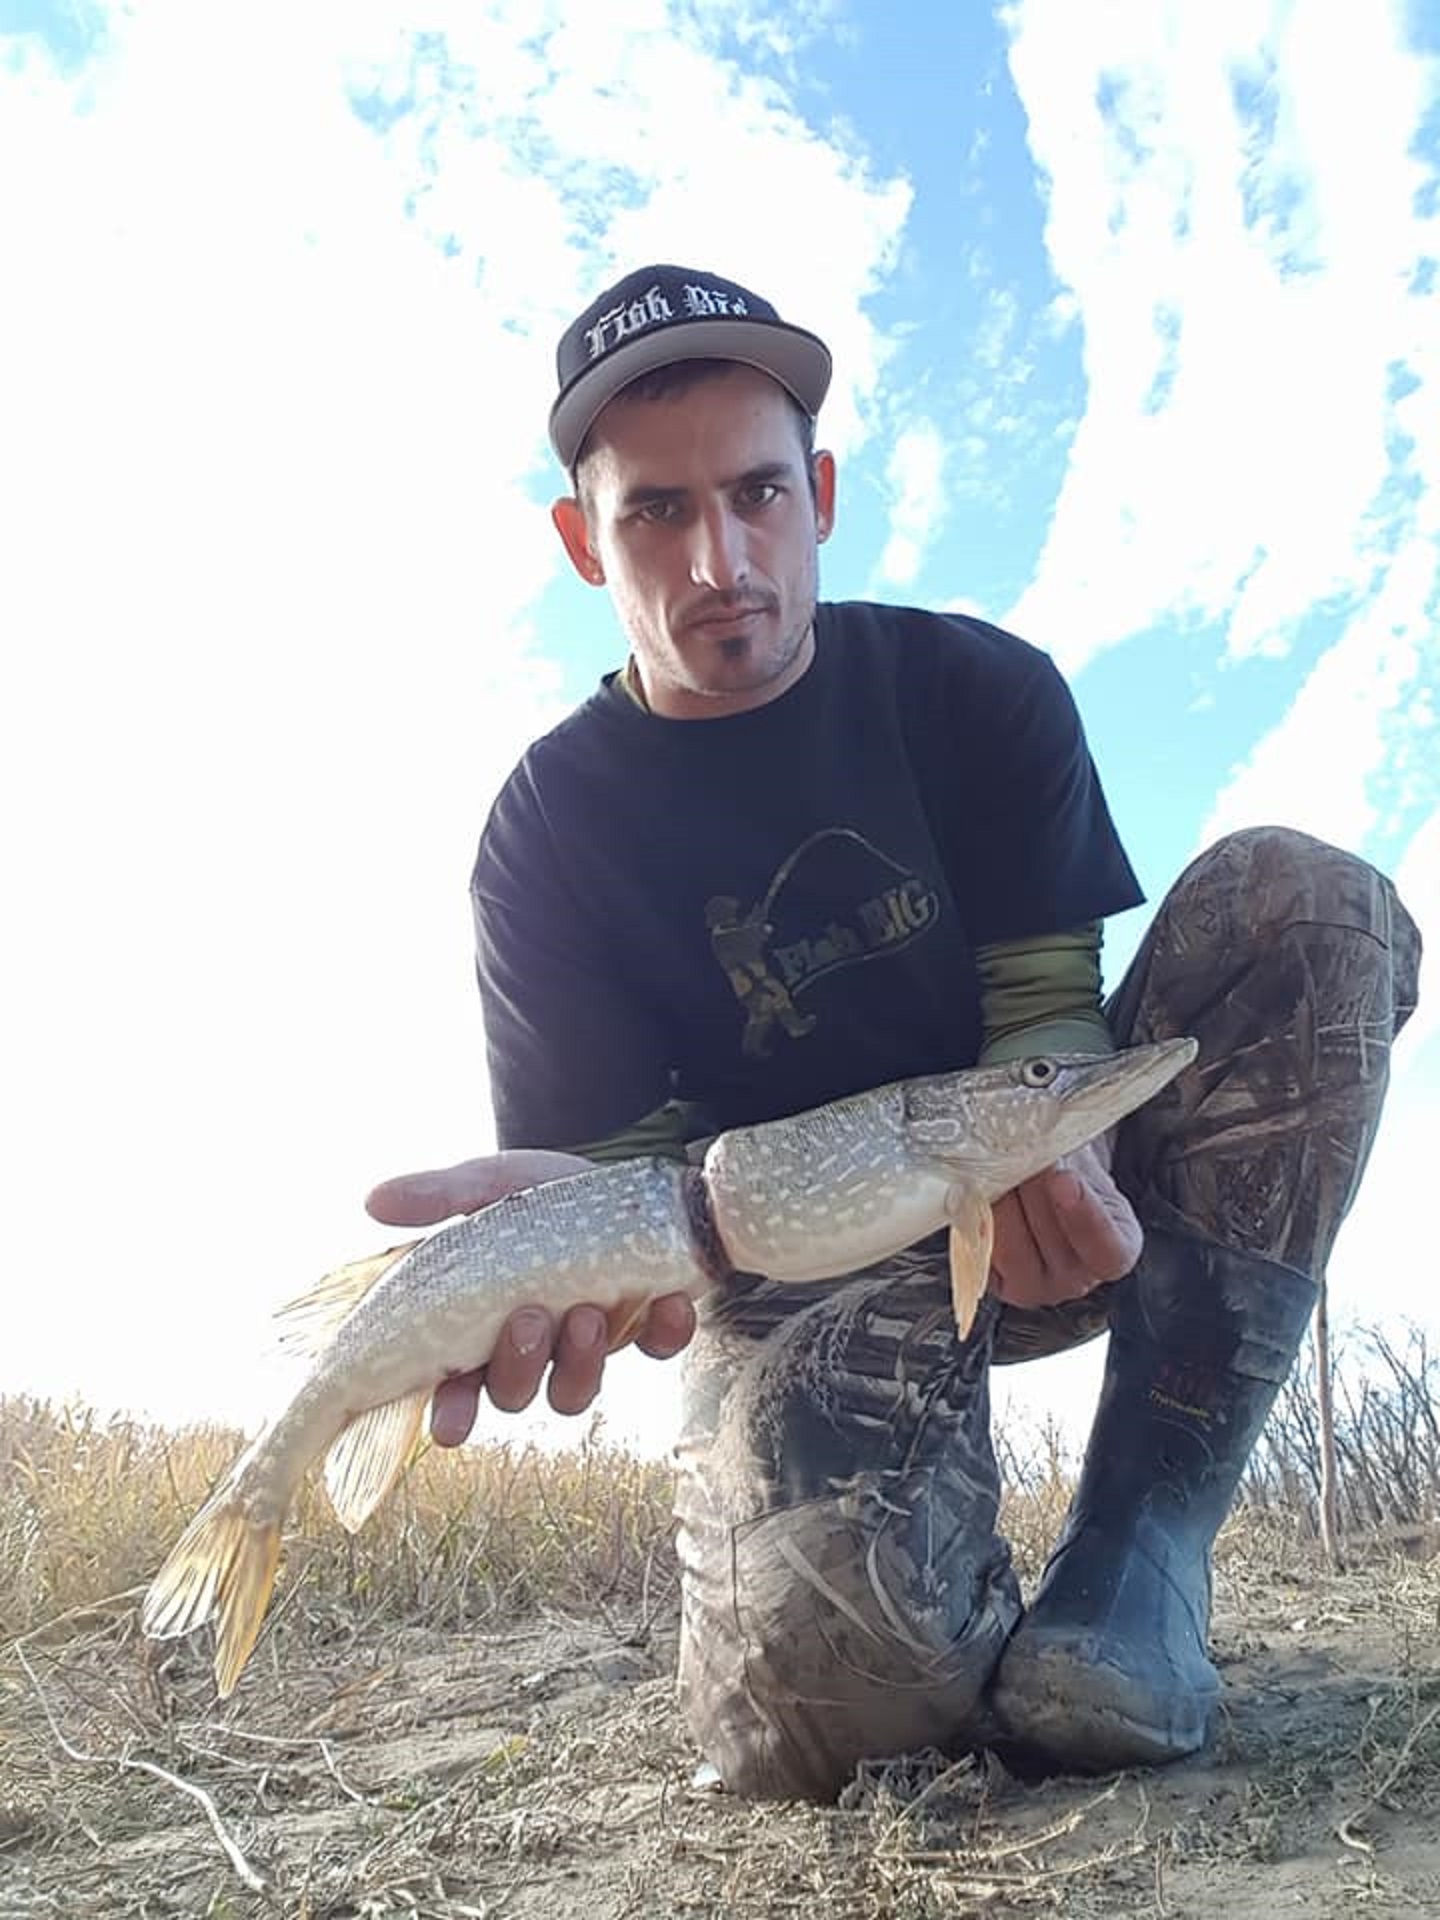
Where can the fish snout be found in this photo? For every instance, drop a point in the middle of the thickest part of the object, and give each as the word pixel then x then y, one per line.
pixel 1094 1094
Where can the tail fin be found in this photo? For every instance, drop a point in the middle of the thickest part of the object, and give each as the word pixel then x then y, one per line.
pixel 222 1566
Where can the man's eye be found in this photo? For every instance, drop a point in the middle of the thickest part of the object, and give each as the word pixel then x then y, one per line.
pixel 760 495
pixel 657 512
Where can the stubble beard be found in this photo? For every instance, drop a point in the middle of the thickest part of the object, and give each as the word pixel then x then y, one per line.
pixel 766 664
pixel 751 670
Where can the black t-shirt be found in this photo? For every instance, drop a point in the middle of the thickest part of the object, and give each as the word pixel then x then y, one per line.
pixel 768 910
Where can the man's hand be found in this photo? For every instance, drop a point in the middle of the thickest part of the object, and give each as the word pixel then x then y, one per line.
pixel 1064 1232
pixel 530 1340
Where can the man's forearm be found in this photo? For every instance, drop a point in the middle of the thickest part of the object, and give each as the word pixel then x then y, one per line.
pixel 1042 995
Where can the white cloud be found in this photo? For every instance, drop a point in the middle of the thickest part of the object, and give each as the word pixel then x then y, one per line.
pixel 1232 217
pixel 914 476
pixel 272 481
pixel 1381 1267
pixel 599 124
pixel 1004 420
pixel 1315 769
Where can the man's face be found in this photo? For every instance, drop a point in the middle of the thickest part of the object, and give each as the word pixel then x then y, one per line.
pixel 697 512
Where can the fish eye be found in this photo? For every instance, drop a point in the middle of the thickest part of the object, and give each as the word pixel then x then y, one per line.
pixel 1039 1072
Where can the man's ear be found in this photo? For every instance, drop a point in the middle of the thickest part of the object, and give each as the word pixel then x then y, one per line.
pixel 569 518
pixel 824 493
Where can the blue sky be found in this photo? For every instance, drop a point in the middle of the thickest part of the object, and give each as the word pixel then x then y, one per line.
pixel 1134 311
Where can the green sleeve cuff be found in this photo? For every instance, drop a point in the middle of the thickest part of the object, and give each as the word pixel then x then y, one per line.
pixel 1042 995
pixel 1050 1036
pixel 661 1134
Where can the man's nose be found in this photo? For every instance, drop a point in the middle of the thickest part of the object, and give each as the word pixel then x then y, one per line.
pixel 718 551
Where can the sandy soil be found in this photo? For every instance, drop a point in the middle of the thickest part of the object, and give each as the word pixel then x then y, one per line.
pixel 545 1774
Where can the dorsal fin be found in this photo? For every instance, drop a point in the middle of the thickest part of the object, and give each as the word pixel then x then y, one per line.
pixel 371 1454
pixel 310 1322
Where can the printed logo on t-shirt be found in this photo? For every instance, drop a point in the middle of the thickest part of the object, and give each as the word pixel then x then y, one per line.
pixel 836 901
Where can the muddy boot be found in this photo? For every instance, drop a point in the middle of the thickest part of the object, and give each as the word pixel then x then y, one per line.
pixel 846 1595
pixel 1109 1668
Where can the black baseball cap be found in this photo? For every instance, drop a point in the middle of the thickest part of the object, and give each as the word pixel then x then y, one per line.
pixel 660 314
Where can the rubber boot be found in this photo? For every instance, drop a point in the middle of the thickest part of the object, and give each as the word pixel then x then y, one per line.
pixel 1109 1668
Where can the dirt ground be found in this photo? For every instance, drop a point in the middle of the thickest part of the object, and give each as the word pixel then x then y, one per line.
pixel 545 1774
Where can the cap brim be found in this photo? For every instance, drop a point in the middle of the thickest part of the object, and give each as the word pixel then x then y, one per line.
pixel 797 359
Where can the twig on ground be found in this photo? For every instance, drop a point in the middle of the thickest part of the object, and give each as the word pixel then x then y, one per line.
pixel 244 1872
pixel 89 1607
pixel 1345 1827
pixel 265 1767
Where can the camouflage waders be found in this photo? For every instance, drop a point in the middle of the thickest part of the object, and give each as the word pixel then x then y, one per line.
pixel 845 1592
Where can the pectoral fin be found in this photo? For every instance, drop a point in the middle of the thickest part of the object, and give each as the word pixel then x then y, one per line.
pixel 624 1320
pixel 972 1241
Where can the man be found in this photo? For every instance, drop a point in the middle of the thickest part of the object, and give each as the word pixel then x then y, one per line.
pixel 793 850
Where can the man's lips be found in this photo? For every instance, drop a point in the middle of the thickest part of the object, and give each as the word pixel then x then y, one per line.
pixel 727 616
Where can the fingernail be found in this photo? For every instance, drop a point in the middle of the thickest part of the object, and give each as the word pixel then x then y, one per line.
pixel 587 1330
pixel 528 1331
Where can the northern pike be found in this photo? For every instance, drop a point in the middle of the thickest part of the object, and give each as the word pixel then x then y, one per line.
pixel 812 1197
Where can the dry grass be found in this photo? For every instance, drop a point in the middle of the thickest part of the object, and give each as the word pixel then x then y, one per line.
pixel 469 1710
pixel 90 1507
pixel 90 1713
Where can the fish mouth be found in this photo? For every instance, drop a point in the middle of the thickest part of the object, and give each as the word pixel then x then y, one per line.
pixel 1118 1083
pixel 1151 1063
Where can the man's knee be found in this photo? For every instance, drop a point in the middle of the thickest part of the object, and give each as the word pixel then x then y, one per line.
pixel 1294 965
pixel 1263 880
pixel 1269 937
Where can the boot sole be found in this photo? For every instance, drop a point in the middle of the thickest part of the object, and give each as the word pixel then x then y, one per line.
pixel 1068 1708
